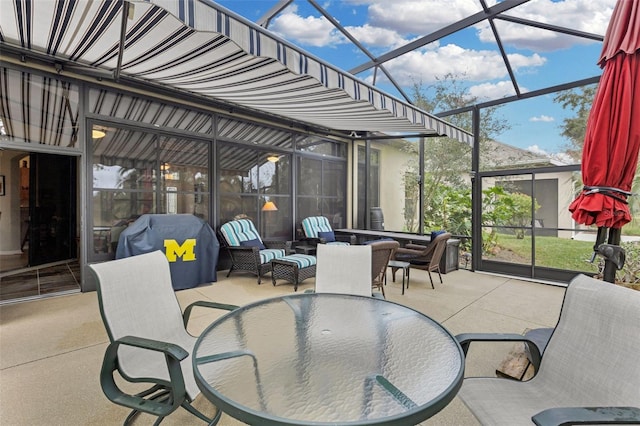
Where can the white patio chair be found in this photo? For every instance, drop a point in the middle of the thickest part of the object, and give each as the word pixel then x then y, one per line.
pixel 344 269
pixel 589 373
pixel 149 340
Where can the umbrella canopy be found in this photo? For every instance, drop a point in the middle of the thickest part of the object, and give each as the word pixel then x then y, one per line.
pixel 612 140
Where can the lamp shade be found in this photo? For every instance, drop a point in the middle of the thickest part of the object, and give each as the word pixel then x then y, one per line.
pixel 269 206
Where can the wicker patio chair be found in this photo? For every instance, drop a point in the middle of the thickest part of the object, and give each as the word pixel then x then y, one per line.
pixel 425 257
pixel 149 340
pixel 381 253
pixel 318 230
pixel 589 373
pixel 249 252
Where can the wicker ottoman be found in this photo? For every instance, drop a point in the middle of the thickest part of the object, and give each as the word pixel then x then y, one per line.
pixel 294 268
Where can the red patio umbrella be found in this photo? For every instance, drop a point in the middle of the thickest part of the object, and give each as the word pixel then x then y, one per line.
pixel 612 140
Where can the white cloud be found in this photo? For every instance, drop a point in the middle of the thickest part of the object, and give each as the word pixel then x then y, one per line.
pixel 310 31
pixel 582 15
pixel 563 158
pixel 537 150
pixel 559 158
pixel 419 16
pixel 476 65
pixel 388 22
pixel 544 118
pixel 497 90
pixel 376 36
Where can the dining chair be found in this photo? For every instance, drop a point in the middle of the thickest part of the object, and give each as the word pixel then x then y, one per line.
pixel 344 269
pixel 426 257
pixel 589 372
pixel 381 253
pixel 149 342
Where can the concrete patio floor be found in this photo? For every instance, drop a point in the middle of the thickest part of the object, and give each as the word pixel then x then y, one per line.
pixel 51 349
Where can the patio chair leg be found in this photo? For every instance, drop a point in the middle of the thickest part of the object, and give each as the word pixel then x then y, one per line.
pixel 431 279
pixel 193 410
pixel 440 276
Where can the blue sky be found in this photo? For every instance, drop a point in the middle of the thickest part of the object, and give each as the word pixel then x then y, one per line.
pixel 539 58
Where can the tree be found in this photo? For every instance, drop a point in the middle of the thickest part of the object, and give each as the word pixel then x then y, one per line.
pixel 574 128
pixel 447 161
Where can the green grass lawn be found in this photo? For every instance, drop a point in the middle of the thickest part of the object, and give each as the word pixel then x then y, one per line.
pixel 552 252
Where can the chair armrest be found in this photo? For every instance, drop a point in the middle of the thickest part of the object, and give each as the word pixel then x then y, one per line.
pixel 206 304
pixel 310 241
pixel 173 355
pixel 410 252
pixel 415 246
pixel 465 340
pixel 587 415
pixel 243 248
pixel 347 238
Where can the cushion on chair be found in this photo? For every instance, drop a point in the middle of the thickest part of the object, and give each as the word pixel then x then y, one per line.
pixel 434 234
pixel 267 255
pixel 302 260
pixel 253 243
pixel 312 225
pixel 328 236
pixel 239 230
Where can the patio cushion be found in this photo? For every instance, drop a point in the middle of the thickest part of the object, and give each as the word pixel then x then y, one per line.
pixel 328 236
pixel 434 234
pixel 267 255
pixel 253 243
pixel 240 230
pixel 312 225
pixel 302 260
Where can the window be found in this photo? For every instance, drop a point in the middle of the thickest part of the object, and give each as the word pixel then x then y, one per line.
pixel 250 179
pixel 136 172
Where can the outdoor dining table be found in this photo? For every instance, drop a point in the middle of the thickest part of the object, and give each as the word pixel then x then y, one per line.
pixel 327 359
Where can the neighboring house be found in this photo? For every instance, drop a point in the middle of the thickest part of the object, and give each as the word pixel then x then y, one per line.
pixel 391 158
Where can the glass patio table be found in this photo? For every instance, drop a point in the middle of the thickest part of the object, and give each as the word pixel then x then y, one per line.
pixel 320 359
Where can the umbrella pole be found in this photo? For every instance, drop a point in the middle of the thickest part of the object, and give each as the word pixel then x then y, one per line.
pixel 610 267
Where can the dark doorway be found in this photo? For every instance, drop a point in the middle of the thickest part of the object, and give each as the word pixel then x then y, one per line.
pixel 52 208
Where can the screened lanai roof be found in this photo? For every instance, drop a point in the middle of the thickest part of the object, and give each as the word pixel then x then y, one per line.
pixel 504 48
pixel 197 47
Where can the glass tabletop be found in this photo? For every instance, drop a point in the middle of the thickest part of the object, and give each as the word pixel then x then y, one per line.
pixel 314 359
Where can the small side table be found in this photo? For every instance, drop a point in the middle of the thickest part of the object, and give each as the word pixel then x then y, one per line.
pixel 397 264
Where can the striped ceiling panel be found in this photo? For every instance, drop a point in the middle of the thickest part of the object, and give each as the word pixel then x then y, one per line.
pixel 197 46
pixel 242 131
pixel 38 109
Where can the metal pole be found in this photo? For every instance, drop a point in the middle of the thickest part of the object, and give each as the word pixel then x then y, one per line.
pixel 610 267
